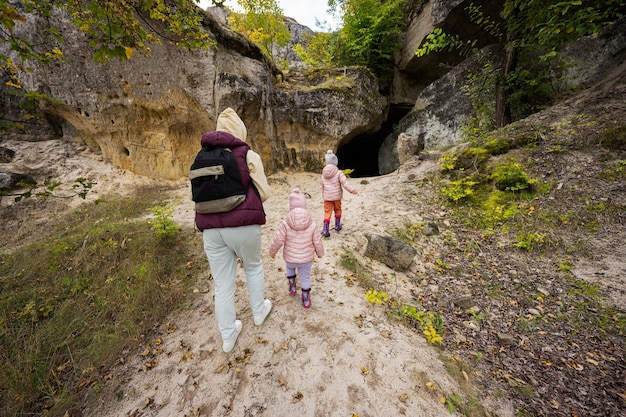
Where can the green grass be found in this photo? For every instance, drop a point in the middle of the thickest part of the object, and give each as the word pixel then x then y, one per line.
pixel 96 282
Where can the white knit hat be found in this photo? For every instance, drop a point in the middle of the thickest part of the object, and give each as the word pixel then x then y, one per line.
pixel 331 158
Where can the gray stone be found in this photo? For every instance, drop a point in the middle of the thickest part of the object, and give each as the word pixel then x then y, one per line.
pixel 6 155
pixel 391 251
pixel 11 179
pixel 506 339
pixel 430 229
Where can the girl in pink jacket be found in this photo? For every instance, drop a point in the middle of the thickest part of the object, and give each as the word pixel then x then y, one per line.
pixel 333 183
pixel 301 241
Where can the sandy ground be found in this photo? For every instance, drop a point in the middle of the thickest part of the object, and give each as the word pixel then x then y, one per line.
pixel 342 357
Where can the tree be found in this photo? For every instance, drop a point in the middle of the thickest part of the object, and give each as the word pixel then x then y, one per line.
pixel 370 31
pixel 528 30
pixel 321 49
pixel 116 29
pixel 263 22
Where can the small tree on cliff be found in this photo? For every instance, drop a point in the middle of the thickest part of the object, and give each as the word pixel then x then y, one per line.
pixel 116 29
pixel 263 22
pixel 529 31
pixel 370 32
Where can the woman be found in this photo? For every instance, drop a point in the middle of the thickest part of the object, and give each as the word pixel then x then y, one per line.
pixel 236 234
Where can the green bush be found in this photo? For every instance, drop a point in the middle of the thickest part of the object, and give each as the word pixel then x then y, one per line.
pixel 458 190
pixel 509 176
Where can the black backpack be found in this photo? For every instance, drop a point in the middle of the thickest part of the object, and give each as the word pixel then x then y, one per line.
pixel 216 184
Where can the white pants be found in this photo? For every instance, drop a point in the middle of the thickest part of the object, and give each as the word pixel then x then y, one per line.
pixel 223 247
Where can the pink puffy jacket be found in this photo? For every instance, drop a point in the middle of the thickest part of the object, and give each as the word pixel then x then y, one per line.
pixel 333 183
pixel 299 236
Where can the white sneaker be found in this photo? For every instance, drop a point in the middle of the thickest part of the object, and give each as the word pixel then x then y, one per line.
pixel 267 307
pixel 228 346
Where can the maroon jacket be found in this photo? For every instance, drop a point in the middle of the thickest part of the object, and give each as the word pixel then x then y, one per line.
pixel 251 210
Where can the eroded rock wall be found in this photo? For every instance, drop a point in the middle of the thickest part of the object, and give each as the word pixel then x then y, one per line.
pixel 147 114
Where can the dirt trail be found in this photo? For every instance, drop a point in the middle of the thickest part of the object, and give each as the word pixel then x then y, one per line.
pixel 342 357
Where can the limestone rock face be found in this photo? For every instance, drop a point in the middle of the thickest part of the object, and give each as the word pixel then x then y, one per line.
pixel 312 119
pixel 395 151
pixel 413 73
pixel 147 115
pixel 442 108
pixel 593 57
pixel 437 116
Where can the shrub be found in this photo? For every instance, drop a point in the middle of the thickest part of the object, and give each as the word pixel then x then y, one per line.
pixel 509 176
pixel 458 190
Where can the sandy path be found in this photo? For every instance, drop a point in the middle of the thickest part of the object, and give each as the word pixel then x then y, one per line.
pixel 342 357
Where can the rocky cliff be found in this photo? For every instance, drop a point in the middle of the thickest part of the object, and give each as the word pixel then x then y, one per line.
pixel 146 115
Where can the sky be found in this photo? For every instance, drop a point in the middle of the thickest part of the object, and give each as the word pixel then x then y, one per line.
pixel 304 12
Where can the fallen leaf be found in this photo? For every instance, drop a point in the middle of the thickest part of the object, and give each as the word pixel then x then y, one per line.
pixel 297 397
pixel 149 402
pixel 260 340
pixel 442 399
pixel 577 366
pixel 554 404
pixel 364 370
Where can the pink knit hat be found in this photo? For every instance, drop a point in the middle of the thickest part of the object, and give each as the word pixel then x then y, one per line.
pixel 296 199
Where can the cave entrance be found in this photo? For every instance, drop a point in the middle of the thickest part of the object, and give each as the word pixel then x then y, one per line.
pixel 361 152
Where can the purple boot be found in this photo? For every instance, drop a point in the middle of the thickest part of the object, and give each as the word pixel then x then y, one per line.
pixel 337 223
pixel 325 232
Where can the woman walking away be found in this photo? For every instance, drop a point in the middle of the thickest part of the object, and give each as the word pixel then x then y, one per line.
pixel 236 234
pixel 301 241
pixel 333 183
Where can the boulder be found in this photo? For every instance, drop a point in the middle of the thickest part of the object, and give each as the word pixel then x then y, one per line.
pixel 11 179
pixel 6 155
pixel 391 251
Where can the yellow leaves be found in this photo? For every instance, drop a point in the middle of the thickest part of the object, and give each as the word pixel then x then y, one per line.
pixel 431 385
pixel 297 397
pixel 129 52
pixel 442 399
pixel 364 370
pixel 375 296
pixel 431 335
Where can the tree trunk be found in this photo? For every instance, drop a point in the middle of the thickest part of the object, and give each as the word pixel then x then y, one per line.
pixel 503 109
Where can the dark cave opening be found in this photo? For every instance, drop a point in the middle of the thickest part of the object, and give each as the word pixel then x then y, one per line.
pixel 361 152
